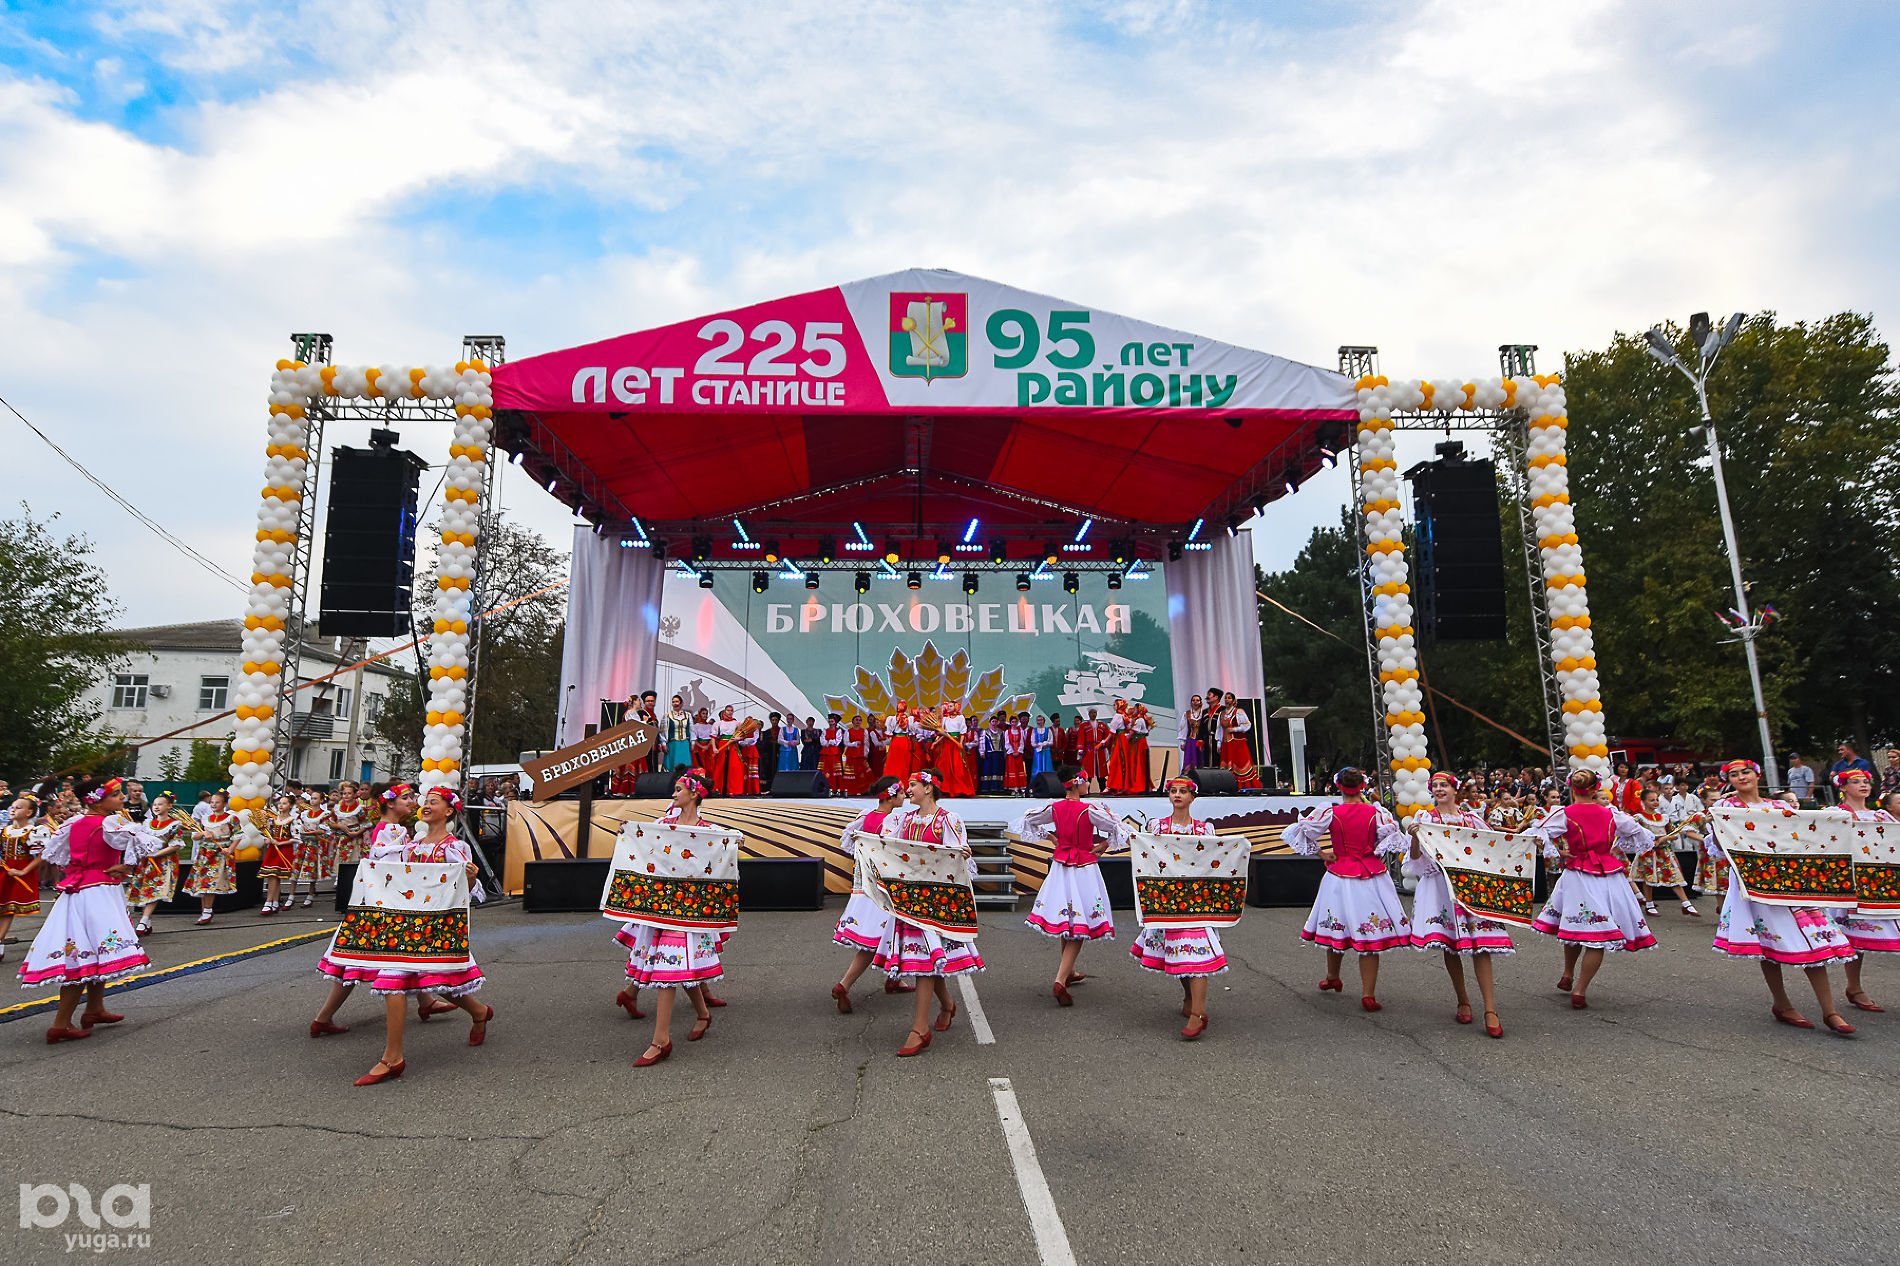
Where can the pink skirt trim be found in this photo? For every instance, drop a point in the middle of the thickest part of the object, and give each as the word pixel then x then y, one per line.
pixel 384 981
pixel 91 973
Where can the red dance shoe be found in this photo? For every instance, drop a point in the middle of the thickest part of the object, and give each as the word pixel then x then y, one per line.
pixel 1062 995
pixel 320 1028
pixel 945 1016
pixel 630 1001
pixel 712 1001
pixel 390 1073
pixel 435 1007
pixel 56 1035
pixel 919 1039
pixel 1837 1024
pixel 843 996
pixel 898 986
pixel 647 1061
pixel 1193 1031
pixel 88 1019
pixel 478 1031
pixel 1463 1013
pixel 1371 1004
pixel 1333 983
pixel 1491 1027
pixel 1580 1003
pixel 699 1029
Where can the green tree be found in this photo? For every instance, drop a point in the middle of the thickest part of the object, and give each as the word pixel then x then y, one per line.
pixel 56 642
pixel 1305 667
pixel 209 761
pixel 171 766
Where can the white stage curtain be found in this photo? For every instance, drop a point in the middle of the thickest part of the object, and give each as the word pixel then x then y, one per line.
pixel 613 627
pixel 1213 620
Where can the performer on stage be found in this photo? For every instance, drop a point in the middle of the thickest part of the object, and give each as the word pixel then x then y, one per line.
pixel 1358 910
pixel 1235 751
pixel 1189 732
pixel 1042 749
pixel 434 846
pixel 677 731
pixel 20 843
pixel 88 939
pixel 213 874
pixel 831 742
pixel 952 758
pixel 1867 934
pixel 1437 920
pixel 313 846
pixel 857 757
pixel 991 745
pixel 156 878
pixel 876 746
pixel 1140 723
pixel 1658 867
pixel 1801 936
pixel 728 763
pixel 279 861
pixel 671 958
pixel 1083 741
pixel 909 950
pixel 902 757
pixel 1592 908
pixel 703 740
pixel 1016 757
pixel 1188 953
pixel 861 926
pixel 1113 737
pixel 1072 904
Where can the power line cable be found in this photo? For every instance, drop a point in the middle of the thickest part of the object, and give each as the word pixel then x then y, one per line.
pixel 128 507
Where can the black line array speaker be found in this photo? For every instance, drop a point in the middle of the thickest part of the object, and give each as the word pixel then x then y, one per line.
pixel 1459 591
pixel 790 784
pixel 369 542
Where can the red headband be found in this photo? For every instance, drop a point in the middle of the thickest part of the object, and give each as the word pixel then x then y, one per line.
pixel 104 789
pixel 1080 780
pixel 1740 763
pixel 697 780
pixel 395 793
pixel 1840 779
pixel 927 778
pixel 1445 774
pixel 450 798
pixel 1183 782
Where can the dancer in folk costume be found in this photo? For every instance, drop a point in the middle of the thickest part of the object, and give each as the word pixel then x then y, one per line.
pixel 87 938
pixel 433 846
pixel 156 878
pixel 902 756
pixel 1188 953
pixel 1592 909
pixel 351 820
pixel 831 742
pixel 1042 749
pixel 676 731
pixel 702 740
pixel 989 747
pixel 313 846
pixel 861 927
pixel 857 757
pixel 1439 923
pixel 1865 933
pixel 213 874
pixel 952 757
pixel 667 959
pixel 748 743
pixel 909 950
pixel 21 840
pixel 728 764
pixel 1114 739
pixel 1140 724
pixel 1016 758
pixel 279 861
pixel 1072 904
pixel 1358 909
pixel 397 805
pixel 1658 867
pixel 876 746
pixel 1801 936
pixel 1236 752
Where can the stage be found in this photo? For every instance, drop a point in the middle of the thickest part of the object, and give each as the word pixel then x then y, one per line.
pixel 813 828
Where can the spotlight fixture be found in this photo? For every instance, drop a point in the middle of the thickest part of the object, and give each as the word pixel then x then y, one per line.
pixel 1114 580
pixel 771 552
pixel 827 549
pixel 811 580
pixel 1070 582
pixel 1022 582
pixel 999 550
pixel 761 580
pixel 1123 550
pixel 892 553
pixel 1174 551
pixel 969 582
pixel 944 550
pixel 863 582
pixel 705 580
pixel 702 548
pixel 1049 553
pixel 914 580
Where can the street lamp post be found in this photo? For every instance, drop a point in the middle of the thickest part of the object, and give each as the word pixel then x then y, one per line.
pixel 1709 343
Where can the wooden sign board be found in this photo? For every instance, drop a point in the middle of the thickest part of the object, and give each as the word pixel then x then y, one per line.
pixel 589 758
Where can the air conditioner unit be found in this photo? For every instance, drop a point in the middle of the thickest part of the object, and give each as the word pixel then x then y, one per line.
pixel 161 692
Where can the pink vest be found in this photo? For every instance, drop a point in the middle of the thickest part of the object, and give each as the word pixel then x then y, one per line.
pixel 874 822
pixel 1354 833
pixel 1589 830
pixel 1075 834
pixel 90 855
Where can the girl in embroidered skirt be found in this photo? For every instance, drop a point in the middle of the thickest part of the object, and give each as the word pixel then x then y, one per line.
pixel 1190 954
pixel 398 805
pixel 1867 934
pixel 1139 724
pixel 156 879
pixel 909 950
pixel 1016 758
pixel 21 840
pixel 1658 867
pixel 671 958
pixel 213 874
pixel 1235 751
pixel 1072 904
pixel 279 861
pixel 313 845
pixel 1437 920
pixel 1801 936
pixel 88 938
pixel 1358 910
pixel 1592 908
pixel 862 925
pixel 434 846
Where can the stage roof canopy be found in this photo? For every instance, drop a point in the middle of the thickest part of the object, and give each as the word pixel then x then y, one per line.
pixel 911 404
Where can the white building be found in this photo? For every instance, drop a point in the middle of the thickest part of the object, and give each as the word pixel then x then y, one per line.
pixel 185 674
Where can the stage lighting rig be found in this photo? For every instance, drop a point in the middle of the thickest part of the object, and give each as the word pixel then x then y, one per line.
pixel 827 549
pixel 1114 580
pixel 702 548
pixel 1070 582
pixel 969 582
pixel 863 582
pixel 1022 582
pixel 705 580
pixel 914 580
pixel 811 580
pixel 761 581
pixel 999 550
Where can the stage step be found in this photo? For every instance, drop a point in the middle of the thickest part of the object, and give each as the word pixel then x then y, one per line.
pixel 995 879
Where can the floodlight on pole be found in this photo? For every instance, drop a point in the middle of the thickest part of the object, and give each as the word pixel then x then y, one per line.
pixel 1709 344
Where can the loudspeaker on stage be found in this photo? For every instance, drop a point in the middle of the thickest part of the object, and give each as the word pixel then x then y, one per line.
pixel 799 784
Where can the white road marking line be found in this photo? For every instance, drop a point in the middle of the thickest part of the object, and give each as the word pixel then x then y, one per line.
pixel 979 1023
pixel 1052 1242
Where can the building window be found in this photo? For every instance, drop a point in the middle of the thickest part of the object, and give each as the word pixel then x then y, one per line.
pixel 372 706
pixel 212 692
pixel 336 764
pixel 128 689
pixel 343 703
pixel 296 762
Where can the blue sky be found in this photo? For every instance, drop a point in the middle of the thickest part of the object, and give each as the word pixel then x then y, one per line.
pixel 183 182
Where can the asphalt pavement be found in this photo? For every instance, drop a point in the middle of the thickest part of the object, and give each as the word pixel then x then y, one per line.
pixel 1672 1120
